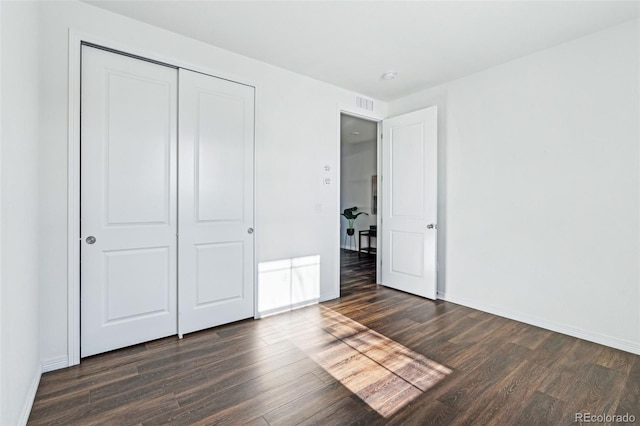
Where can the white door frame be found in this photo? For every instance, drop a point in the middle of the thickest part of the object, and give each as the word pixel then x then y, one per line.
pixel 369 116
pixel 76 38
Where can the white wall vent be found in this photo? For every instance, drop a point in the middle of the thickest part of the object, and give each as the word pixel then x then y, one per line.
pixel 364 103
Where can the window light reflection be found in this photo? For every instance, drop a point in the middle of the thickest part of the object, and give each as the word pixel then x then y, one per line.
pixel 383 373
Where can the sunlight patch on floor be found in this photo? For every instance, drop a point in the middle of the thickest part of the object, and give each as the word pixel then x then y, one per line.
pixel 383 373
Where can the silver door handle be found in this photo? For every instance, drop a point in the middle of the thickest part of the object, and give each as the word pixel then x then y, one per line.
pixel 250 231
pixel 432 226
pixel 91 239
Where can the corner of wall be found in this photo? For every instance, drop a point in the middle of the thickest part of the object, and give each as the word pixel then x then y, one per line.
pixel 31 396
pixel 19 286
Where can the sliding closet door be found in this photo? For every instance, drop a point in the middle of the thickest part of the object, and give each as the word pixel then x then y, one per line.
pixel 128 201
pixel 216 134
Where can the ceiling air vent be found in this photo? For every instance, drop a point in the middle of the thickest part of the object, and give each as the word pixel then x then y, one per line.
pixel 364 103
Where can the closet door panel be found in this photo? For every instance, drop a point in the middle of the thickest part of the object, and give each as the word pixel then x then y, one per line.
pixel 128 201
pixel 215 201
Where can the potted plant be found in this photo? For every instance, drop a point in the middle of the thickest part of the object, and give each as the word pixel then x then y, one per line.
pixel 351 217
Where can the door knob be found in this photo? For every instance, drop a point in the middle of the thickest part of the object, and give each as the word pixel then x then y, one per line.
pixel 432 226
pixel 91 239
pixel 250 231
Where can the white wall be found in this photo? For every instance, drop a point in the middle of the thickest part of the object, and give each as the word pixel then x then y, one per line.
pixel 297 134
pixel 19 336
pixel 540 187
pixel 358 164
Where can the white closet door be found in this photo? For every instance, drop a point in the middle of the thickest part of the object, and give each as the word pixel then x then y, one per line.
pixel 128 201
pixel 410 202
pixel 216 271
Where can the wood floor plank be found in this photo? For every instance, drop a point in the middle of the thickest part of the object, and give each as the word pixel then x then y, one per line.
pixel 508 397
pixel 576 363
pixel 598 392
pixel 231 371
pixel 425 411
pixel 64 387
pixel 466 389
pixel 478 353
pixel 616 360
pixel 307 406
pixel 249 408
pixel 542 410
pixel 347 410
pixel 173 379
pixel 531 337
pixel 554 348
pixel 630 398
pixel 373 356
pixel 134 412
pixel 260 421
pixel 51 409
pixel 481 329
pixel 237 385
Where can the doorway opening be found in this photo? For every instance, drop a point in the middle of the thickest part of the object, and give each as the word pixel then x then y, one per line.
pixel 358 201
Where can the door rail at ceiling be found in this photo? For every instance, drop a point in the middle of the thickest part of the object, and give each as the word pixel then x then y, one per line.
pixel 130 55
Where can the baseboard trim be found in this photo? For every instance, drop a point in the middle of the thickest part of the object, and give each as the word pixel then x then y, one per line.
pixel 622 344
pixel 331 296
pixel 322 298
pixel 288 308
pixel 55 364
pixel 31 396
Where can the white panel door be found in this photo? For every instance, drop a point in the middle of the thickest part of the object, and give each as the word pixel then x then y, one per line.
pixel 128 201
pixel 409 202
pixel 216 273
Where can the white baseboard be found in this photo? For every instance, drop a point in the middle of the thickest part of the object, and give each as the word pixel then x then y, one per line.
pixel 614 342
pixel 55 364
pixel 322 298
pixel 331 296
pixel 288 308
pixel 31 396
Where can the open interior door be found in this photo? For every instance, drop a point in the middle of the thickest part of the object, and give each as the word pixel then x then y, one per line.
pixel 409 202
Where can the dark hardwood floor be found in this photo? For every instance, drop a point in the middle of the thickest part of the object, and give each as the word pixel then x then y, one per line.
pixel 374 356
